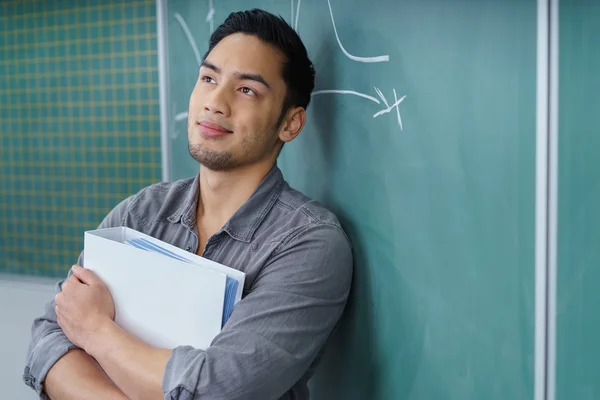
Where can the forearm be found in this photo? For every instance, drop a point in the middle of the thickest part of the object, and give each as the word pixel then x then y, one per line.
pixel 76 375
pixel 135 367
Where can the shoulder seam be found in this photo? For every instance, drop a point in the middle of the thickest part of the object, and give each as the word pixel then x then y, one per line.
pixel 309 214
pixel 285 205
pixel 302 208
pixel 296 232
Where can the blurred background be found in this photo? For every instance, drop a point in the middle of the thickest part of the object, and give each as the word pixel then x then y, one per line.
pixel 80 123
pixel 80 131
pixel 457 142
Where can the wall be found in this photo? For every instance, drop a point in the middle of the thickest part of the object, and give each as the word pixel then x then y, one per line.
pixel 21 300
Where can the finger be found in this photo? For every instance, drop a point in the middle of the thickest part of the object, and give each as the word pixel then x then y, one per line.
pixel 62 302
pixel 85 275
pixel 62 314
pixel 75 282
pixel 75 279
pixel 59 319
pixel 69 283
pixel 58 298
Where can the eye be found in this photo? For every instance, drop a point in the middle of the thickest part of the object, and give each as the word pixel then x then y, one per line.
pixel 248 91
pixel 207 79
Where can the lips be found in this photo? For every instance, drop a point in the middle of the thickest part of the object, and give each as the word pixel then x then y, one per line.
pixel 213 129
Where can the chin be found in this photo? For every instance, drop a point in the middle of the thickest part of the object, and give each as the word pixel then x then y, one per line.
pixel 211 159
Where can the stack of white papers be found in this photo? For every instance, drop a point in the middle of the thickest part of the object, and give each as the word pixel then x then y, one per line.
pixel 231 284
pixel 164 295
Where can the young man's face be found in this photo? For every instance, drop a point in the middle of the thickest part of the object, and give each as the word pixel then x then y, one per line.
pixel 236 104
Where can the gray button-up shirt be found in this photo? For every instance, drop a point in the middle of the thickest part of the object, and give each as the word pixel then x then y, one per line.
pixel 298 266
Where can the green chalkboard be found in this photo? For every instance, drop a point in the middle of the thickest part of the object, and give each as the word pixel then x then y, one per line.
pixel 436 192
pixel 79 123
pixel 578 319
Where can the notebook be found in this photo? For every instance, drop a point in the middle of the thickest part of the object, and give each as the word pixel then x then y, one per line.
pixel 164 295
pixel 231 284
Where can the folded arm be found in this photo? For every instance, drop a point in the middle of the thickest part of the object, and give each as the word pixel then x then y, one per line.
pixel 59 370
pixel 76 375
pixel 50 348
pixel 269 342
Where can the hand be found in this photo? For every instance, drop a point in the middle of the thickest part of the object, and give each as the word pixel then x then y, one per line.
pixel 84 307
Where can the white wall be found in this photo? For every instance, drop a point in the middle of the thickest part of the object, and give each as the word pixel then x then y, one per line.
pixel 21 300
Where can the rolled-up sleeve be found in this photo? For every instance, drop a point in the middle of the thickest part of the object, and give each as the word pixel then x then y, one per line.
pixel 48 342
pixel 277 330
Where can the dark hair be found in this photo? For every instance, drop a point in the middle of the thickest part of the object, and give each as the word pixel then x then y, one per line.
pixel 298 71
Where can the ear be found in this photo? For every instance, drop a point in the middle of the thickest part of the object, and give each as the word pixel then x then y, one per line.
pixel 292 124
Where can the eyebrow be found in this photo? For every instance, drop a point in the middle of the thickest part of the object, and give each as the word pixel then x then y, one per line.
pixel 240 75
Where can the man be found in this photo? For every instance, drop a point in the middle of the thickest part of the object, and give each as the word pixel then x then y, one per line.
pixel 250 98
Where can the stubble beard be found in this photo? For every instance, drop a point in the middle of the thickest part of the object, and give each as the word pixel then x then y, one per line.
pixel 225 160
pixel 213 160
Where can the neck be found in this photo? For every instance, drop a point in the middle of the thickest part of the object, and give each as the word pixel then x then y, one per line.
pixel 222 193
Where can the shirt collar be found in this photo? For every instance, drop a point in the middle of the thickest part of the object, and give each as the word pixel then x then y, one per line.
pixel 244 222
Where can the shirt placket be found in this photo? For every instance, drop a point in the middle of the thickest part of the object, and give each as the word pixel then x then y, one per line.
pixel 211 243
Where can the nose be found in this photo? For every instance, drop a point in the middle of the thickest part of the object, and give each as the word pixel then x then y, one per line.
pixel 217 102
